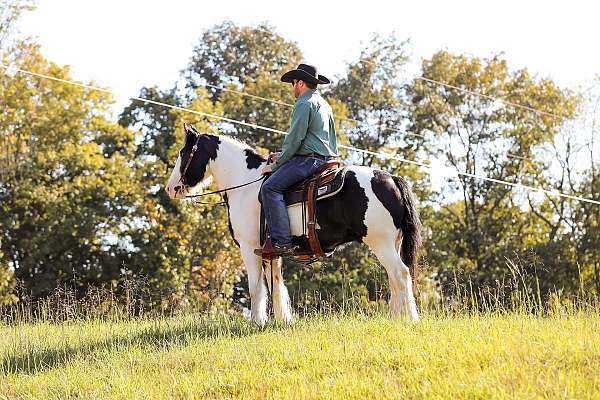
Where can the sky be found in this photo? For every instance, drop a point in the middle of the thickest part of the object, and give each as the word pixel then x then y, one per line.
pixel 124 45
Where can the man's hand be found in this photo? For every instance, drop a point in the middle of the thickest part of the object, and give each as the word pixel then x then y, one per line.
pixel 266 169
pixel 272 157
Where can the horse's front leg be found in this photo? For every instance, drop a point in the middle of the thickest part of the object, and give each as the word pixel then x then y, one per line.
pixel 256 284
pixel 281 299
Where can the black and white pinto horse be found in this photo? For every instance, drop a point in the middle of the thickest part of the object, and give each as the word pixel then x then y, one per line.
pixel 373 207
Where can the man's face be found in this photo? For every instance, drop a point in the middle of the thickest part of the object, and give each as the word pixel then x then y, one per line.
pixel 297 85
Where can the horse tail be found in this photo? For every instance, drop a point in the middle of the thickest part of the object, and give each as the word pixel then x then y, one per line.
pixel 410 229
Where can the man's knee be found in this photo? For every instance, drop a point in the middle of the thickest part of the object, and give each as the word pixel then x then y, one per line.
pixel 269 187
pixel 264 194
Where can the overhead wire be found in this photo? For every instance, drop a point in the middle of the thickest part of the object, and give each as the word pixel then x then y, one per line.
pixel 471 92
pixel 350 148
pixel 429 80
pixel 278 102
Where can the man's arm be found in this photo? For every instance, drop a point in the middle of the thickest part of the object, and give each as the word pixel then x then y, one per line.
pixel 333 136
pixel 296 134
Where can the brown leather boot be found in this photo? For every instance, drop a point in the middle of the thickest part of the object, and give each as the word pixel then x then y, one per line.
pixel 270 250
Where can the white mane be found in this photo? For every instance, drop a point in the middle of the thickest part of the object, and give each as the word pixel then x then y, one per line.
pixel 236 142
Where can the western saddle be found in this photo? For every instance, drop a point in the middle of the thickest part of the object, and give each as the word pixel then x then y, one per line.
pixel 326 182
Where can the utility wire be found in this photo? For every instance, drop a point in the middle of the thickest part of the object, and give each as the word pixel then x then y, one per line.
pixel 471 92
pixel 282 103
pixel 429 168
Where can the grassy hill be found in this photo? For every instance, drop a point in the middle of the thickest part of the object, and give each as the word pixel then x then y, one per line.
pixel 335 356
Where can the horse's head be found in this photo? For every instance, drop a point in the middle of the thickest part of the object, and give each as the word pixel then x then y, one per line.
pixel 192 169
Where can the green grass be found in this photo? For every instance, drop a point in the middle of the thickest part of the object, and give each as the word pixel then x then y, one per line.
pixel 337 356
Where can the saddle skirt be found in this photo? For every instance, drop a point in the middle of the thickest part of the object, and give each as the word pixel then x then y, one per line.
pixel 326 182
pixel 330 180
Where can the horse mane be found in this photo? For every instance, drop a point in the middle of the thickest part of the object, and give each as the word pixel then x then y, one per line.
pixel 239 144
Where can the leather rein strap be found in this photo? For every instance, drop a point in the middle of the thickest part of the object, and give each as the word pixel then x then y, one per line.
pixel 187 165
pixel 227 189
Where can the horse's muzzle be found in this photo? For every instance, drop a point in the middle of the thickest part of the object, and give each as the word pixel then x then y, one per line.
pixel 176 192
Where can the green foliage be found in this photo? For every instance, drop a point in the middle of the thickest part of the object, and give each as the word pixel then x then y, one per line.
pixel 352 273
pixel 81 199
pixel 7 284
pixel 260 112
pixel 250 60
pixel 156 124
pixel 487 225
pixel 66 185
pixel 372 93
pixel 228 53
pixel 586 224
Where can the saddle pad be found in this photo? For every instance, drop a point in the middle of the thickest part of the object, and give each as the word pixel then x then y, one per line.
pixel 330 186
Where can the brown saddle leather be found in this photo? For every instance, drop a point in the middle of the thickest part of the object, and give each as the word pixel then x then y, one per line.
pixel 330 178
pixel 327 181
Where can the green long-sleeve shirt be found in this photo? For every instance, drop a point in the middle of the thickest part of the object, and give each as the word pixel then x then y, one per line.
pixel 311 131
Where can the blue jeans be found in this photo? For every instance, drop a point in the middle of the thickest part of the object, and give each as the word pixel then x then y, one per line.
pixel 293 171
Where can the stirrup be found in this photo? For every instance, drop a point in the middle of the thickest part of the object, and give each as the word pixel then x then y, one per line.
pixel 270 251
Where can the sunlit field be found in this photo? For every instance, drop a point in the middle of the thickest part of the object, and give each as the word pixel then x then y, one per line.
pixel 132 165
pixel 326 355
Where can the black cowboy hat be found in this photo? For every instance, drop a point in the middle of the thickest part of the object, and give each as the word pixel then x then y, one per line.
pixel 307 73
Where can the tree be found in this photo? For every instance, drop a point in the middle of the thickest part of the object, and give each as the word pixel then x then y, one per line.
pixel 229 54
pixel 480 224
pixel 373 95
pixel 66 187
pixel 576 172
pixel 250 60
pixel 10 11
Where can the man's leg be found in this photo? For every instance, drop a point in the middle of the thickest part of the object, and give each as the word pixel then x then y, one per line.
pixel 293 171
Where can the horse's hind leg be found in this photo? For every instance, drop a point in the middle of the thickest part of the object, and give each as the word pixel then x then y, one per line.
pixel 279 294
pixel 402 300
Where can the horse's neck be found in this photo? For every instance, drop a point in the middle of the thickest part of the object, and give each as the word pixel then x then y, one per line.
pixel 229 168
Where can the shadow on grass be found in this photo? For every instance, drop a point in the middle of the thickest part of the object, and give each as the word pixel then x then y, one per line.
pixel 159 337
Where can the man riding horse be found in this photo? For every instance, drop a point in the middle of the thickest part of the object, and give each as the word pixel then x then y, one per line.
pixel 372 206
pixel 310 143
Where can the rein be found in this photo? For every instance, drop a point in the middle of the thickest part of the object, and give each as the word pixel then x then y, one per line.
pixel 225 190
pixel 187 165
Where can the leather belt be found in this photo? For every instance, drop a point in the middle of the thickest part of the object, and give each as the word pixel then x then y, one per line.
pixel 316 155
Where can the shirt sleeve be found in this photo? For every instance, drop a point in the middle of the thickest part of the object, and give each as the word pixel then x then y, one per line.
pixel 296 133
pixel 333 137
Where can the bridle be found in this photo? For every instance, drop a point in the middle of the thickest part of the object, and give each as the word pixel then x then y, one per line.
pixel 185 185
pixel 189 161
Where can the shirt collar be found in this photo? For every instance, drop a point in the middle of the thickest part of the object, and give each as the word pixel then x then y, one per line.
pixel 306 94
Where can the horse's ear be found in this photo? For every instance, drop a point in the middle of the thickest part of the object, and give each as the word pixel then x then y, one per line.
pixel 190 129
pixel 194 130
